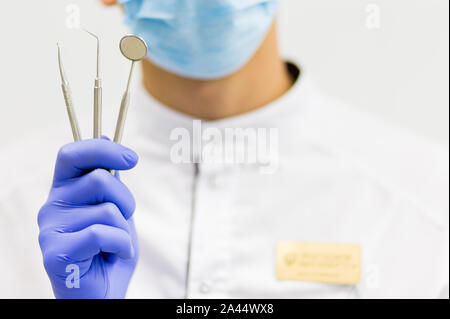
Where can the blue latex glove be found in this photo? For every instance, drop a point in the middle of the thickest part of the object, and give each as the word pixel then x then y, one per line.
pixel 86 226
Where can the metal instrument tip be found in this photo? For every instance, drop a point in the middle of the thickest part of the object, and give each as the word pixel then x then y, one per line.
pixel 98 49
pixel 61 68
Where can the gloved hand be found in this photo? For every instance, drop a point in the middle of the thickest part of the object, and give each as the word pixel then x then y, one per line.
pixel 86 230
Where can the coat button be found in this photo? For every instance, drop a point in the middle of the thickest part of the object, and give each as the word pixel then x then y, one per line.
pixel 217 182
pixel 205 287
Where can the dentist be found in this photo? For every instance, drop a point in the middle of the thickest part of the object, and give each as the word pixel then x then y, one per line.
pixel 347 187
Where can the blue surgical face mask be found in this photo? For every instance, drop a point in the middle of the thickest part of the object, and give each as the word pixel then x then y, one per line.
pixel 201 39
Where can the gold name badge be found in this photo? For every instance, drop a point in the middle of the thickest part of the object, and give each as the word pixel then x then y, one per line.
pixel 319 262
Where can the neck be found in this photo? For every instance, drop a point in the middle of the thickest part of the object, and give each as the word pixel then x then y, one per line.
pixel 262 80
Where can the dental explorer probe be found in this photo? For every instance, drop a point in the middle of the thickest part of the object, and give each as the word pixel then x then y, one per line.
pixel 68 99
pixel 97 93
pixel 134 49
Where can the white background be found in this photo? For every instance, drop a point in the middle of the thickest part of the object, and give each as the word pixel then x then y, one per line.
pixel 399 71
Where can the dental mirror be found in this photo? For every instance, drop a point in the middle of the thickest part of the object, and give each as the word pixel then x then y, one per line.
pixel 134 49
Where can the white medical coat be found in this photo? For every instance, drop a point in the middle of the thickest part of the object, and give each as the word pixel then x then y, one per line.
pixel 342 176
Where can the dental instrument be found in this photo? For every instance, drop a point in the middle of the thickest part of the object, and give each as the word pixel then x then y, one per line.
pixel 97 93
pixel 134 49
pixel 68 99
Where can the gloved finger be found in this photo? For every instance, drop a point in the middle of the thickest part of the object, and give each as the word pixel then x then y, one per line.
pixel 75 158
pixel 96 187
pixel 94 239
pixel 70 219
